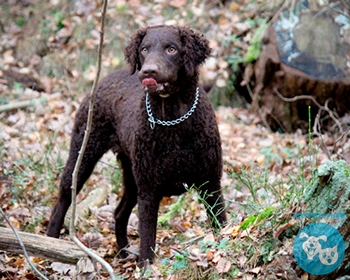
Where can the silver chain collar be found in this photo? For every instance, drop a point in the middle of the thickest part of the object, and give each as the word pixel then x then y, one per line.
pixel 153 121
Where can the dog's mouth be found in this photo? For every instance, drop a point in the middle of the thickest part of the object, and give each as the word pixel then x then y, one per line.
pixel 311 250
pixel 152 86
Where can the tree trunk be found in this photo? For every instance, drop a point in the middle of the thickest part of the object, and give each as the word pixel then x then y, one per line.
pixel 305 61
pixel 41 246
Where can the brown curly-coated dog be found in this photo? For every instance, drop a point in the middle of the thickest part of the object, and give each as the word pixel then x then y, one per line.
pixel 160 123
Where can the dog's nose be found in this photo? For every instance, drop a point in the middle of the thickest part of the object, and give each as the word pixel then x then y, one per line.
pixel 149 70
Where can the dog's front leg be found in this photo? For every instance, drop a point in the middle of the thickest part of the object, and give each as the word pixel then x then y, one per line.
pixel 148 205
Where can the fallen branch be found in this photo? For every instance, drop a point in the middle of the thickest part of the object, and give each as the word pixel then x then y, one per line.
pixel 40 246
pixel 27 103
pixel 23 248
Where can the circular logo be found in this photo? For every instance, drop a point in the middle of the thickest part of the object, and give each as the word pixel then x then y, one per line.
pixel 319 248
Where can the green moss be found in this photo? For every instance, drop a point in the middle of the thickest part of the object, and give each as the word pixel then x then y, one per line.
pixel 331 189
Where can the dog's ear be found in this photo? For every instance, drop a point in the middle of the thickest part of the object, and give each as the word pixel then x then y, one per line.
pixel 132 50
pixel 323 237
pixel 303 234
pixel 195 50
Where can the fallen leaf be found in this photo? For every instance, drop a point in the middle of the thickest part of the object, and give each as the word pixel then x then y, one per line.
pixel 8 57
pixel 209 238
pixel 86 268
pixel 14 222
pixel 63 268
pixel 223 266
pixel 92 240
pixel 234 7
pixel 178 3
pixel 256 270
pixel 177 224
pixel 90 73
pixel 210 256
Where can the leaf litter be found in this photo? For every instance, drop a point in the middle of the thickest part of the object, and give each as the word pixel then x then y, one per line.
pixel 54 50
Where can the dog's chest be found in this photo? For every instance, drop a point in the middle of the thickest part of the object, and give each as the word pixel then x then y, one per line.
pixel 177 152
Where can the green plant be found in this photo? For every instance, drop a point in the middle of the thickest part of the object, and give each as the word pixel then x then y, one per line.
pixel 173 210
pixel 254 219
pixel 234 59
pixel 18 88
pixel 202 197
pixel 58 17
pixel 179 262
pixel 20 21
pixel 206 246
pixel 253 51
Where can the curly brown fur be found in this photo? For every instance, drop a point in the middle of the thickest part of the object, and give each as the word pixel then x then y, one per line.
pixel 156 162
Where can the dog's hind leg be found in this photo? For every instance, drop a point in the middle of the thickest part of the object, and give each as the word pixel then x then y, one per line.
pixel 127 203
pixel 99 143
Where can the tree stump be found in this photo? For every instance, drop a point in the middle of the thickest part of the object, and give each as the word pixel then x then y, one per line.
pixel 304 61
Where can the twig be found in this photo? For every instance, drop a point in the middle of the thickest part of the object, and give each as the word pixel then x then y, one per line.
pixel 176 250
pixel 315 130
pixel 109 165
pixel 317 125
pixel 82 151
pixel 302 97
pixel 340 138
pixel 22 246
pixel 187 243
pixel 263 119
pixel 194 239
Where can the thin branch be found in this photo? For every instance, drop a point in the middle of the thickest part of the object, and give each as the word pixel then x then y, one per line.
pixel 263 119
pixel 317 125
pixel 341 137
pixel 22 246
pixel 83 147
pixel 303 97
pixel 315 130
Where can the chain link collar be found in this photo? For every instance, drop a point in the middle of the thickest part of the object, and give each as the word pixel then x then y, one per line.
pixel 153 121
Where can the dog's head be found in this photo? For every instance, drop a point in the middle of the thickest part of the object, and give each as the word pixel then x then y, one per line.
pixel 311 245
pixel 166 56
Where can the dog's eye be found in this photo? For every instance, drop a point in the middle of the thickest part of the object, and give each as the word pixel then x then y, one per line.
pixel 144 50
pixel 171 50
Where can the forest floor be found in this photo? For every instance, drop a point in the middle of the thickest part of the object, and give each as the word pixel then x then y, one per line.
pixel 48 53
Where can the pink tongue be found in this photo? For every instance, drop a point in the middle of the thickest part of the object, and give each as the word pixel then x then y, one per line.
pixel 149 82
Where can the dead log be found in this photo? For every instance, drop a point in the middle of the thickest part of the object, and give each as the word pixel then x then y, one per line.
pixel 305 52
pixel 41 246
